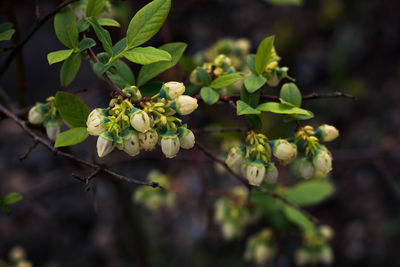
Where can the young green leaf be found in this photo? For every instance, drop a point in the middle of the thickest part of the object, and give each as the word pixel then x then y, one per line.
pixel 58 56
pixel 65 27
pixel 124 75
pixel 12 198
pixel 290 93
pixel 94 7
pixel 72 109
pixel 151 88
pixel 243 108
pixel 86 43
pixel 71 137
pixel 119 47
pixel 209 95
pixel 147 55
pixel 292 117
pixel 82 25
pixel 285 2
pixel 102 34
pixel 5 26
pixel 108 22
pixel 225 80
pixel 70 69
pixel 147 22
pixel 263 55
pixel 281 108
pixel 299 219
pixel 254 121
pixel 309 192
pixel 6 34
pixel 5 208
pixel 250 99
pixel 251 63
pixel 148 72
pixel 254 82
pixel 203 76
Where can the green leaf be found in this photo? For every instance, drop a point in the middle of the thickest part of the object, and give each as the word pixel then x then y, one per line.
pixel 285 2
pixel 209 95
pixel 310 115
pixel 290 93
pixel 203 76
pixel 108 22
pixel 6 35
pixel 263 55
pixel 99 68
pixel 147 55
pixel 58 56
pixel 5 26
pixel 251 63
pixel 151 88
pixel 299 219
pixel 65 27
pixel 86 43
pixel 225 80
pixel 254 82
pixel 255 121
pixel 123 76
pixel 94 7
pixel 72 109
pixel 280 108
pixel 70 69
pixel 243 108
pixel 6 209
pixel 150 71
pixel 119 47
pixel 102 34
pixel 147 22
pixel 71 137
pixel 250 99
pixel 82 25
pixel 309 192
pixel 12 198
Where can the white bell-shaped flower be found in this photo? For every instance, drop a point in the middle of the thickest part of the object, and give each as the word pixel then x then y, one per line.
pixel 35 116
pixel 130 143
pixel 255 172
pixel 53 128
pixel 95 121
pixel 306 168
pixel 322 160
pixel 184 104
pixel 327 133
pixel 170 144
pixel 186 138
pixel 271 173
pixel 235 156
pixel 148 140
pixel 140 120
pixel 105 144
pixel 172 90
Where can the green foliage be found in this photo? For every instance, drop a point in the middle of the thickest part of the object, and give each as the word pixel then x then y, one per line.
pixel 58 56
pixel 102 34
pixel 147 22
pixel 299 219
pixel 254 82
pixel 203 76
pixel 285 2
pixel 251 99
pixel 209 95
pixel 243 108
pixel 281 108
pixel 94 7
pixel 108 22
pixel 71 137
pixel 264 52
pixel 291 94
pixel 72 109
pixel 70 69
pixel 309 192
pixel 147 55
pixel 86 43
pixel 123 75
pixel 225 80
pixel 150 71
pixel 66 28
pixel 255 121
pixel 9 199
pixel 6 31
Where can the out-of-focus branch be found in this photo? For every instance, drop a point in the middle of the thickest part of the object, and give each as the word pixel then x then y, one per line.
pixel 38 23
pixel 49 146
pixel 244 181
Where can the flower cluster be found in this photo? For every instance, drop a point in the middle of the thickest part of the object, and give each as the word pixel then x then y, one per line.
pixel 132 128
pixel 17 257
pixel 315 249
pixel 273 72
pixel 47 115
pixel 155 199
pixel 232 214
pixel 260 247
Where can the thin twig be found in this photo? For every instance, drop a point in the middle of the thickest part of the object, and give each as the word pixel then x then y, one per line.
pixel 258 188
pixel 30 149
pixel 35 27
pixel 49 146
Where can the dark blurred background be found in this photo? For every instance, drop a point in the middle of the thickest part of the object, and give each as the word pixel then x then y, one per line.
pixel 329 45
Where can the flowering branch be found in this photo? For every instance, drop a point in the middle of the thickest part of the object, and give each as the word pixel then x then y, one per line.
pixel 49 146
pixel 244 181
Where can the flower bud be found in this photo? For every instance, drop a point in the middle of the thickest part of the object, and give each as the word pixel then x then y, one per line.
pixel 95 121
pixel 184 104
pixel 327 133
pixel 17 254
pixel 301 257
pixel 170 144
pixel 283 150
pixel 172 90
pixel 306 168
pixel 323 160
pixel 186 138
pixel 140 120
pixel 262 254
pixel 148 140
pixel 326 255
pixel 326 231
pixel 130 143
pixel 194 79
pixel 104 144
pixel 133 92
pixel 35 116
pixel 235 156
pixel 24 263
pixel 244 45
pixel 53 128
pixel 222 61
pixel 255 172
pixel 229 230
pixel 274 81
pixel 271 173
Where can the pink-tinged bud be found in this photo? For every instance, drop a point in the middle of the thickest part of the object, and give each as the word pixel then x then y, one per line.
pixel 184 104
pixel 104 144
pixel 172 90
pixel 140 120
pixel 148 140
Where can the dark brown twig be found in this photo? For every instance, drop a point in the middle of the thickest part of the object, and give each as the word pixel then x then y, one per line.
pixel 30 149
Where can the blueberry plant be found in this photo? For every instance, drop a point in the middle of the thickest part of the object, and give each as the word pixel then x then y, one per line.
pixel 143 112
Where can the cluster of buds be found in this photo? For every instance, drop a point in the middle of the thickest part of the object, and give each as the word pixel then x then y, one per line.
pixel 260 247
pixel 47 115
pixel 17 257
pixel 273 72
pixel 155 199
pixel 317 156
pixel 315 249
pixel 132 128
pixel 232 214
pixel 221 65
